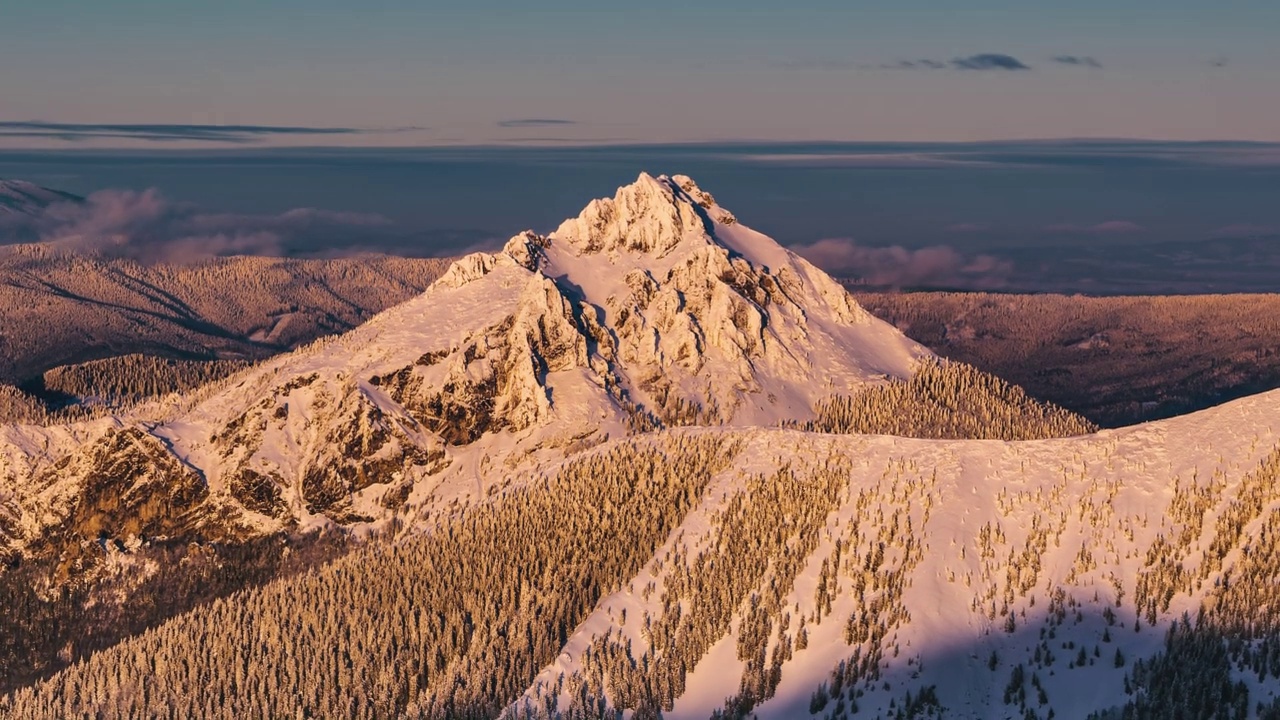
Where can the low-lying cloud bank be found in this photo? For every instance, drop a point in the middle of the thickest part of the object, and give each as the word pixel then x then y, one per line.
pixel 896 266
pixel 149 227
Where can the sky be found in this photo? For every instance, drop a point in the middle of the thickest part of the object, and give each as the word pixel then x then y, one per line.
pixel 182 74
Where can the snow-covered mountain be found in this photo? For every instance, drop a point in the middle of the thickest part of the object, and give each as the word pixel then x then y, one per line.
pixel 610 559
pixel 654 308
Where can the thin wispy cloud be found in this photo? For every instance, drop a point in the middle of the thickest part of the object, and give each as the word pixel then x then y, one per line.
pixel 1106 154
pixel 1078 60
pixel 535 122
pixel 568 141
pixel 968 228
pixel 1246 230
pixel 914 65
pixel 979 62
pixel 817 64
pixel 989 61
pixel 1110 227
pixel 235 134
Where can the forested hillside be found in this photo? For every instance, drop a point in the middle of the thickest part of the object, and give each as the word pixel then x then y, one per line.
pixel 19 407
pixel 946 400
pixel 66 308
pixel 1114 360
pixel 127 378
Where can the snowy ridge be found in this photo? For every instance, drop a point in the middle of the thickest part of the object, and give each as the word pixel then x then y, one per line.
pixel 18 197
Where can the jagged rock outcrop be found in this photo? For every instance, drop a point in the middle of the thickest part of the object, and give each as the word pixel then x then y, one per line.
pixel 649 216
pixel 496 378
pixel 123 486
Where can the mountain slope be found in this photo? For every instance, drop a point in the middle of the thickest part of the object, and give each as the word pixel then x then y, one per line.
pixel 89 307
pixel 714 311
pixel 18 197
pixel 642 312
pixel 925 560
pixel 788 574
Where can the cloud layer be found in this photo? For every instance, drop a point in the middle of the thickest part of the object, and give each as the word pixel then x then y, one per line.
pixel 1110 227
pixel 236 134
pixel 989 61
pixel 148 227
pixel 979 62
pixel 896 266
pixel 1079 60
pixel 535 122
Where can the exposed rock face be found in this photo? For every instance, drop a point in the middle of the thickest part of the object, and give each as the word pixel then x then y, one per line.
pixel 318 439
pixel 466 269
pixel 10 519
pixel 257 492
pixel 495 379
pixel 362 448
pixel 124 485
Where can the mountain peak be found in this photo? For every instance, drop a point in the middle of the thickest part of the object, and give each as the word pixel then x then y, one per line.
pixel 653 215
pixel 688 308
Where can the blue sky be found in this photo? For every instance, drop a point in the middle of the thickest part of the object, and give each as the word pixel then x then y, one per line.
pixel 406 73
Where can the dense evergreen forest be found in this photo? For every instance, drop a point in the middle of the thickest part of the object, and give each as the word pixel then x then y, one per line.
pixel 109 386
pixel 129 378
pixel 454 622
pixel 947 400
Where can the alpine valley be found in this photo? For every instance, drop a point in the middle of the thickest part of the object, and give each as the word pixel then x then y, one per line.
pixel 651 464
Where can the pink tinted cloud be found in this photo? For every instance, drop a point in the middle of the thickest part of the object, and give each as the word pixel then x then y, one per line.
pixel 149 227
pixel 1245 230
pixel 1117 226
pixel 1110 227
pixel 898 266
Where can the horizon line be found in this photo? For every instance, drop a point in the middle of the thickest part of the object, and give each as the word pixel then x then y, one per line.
pixel 571 144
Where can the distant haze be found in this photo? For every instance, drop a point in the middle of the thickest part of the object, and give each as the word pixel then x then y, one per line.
pixel 936 215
